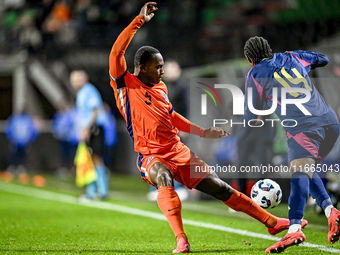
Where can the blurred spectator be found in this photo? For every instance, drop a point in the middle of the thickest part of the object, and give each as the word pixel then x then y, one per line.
pixel 56 28
pixel 59 16
pixel 21 132
pixel 177 89
pixel 110 135
pixel 29 36
pixel 65 128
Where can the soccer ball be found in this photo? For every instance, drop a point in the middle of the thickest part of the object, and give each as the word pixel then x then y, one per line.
pixel 266 193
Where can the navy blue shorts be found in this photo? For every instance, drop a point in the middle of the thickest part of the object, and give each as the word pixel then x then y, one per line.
pixel 315 143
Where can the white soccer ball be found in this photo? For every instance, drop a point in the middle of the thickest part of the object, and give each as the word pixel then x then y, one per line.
pixel 266 193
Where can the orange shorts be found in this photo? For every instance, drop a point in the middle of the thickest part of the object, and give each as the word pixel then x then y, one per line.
pixel 185 166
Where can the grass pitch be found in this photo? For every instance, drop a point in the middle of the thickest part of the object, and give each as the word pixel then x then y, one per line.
pixel 50 220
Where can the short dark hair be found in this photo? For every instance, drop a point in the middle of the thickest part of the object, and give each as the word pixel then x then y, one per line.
pixel 144 54
pixel 257 48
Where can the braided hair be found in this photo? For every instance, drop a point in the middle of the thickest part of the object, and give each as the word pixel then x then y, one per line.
pixel 257 48
pixel 144 54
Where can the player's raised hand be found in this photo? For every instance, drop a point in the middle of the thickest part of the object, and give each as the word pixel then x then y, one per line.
pixel 215 133
pixel 147 11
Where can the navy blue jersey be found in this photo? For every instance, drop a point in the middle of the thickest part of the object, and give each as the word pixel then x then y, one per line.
pixel 289 70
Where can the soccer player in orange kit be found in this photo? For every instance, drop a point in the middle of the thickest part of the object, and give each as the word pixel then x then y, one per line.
pixel 153 124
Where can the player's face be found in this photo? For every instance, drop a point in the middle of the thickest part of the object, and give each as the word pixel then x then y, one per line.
pixel 154 69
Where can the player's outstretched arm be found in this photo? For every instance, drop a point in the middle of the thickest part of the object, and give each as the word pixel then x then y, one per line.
pixel 311 58
pixel 185 125
pixel 117 60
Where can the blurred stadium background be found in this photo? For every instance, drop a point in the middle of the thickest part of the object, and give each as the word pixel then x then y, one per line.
pixel 41 41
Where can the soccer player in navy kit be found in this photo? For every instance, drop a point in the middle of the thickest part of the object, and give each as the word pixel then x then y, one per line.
pixel 312 128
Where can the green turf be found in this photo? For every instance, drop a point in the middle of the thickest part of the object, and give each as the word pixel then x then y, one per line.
pixel 30 225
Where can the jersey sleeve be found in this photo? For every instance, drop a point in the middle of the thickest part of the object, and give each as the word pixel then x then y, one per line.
pixel 310 59
pixel 256 96
pixel 117 61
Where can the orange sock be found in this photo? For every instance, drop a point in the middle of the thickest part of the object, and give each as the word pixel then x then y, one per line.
pixel 240 202
pixel 170 204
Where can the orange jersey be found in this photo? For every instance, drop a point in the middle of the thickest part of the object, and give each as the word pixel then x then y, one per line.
pixel 149 115
pixel 147 112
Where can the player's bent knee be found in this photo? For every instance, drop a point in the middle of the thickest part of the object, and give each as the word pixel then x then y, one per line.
pixel 161 175
pixel 164 178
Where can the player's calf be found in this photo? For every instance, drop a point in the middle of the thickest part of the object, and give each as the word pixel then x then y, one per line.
pixel 212 185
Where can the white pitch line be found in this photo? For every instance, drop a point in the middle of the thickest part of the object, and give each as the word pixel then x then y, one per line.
pixel 53 196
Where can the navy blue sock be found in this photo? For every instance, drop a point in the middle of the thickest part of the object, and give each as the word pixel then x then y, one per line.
pixel 318 191
pixel 299 193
